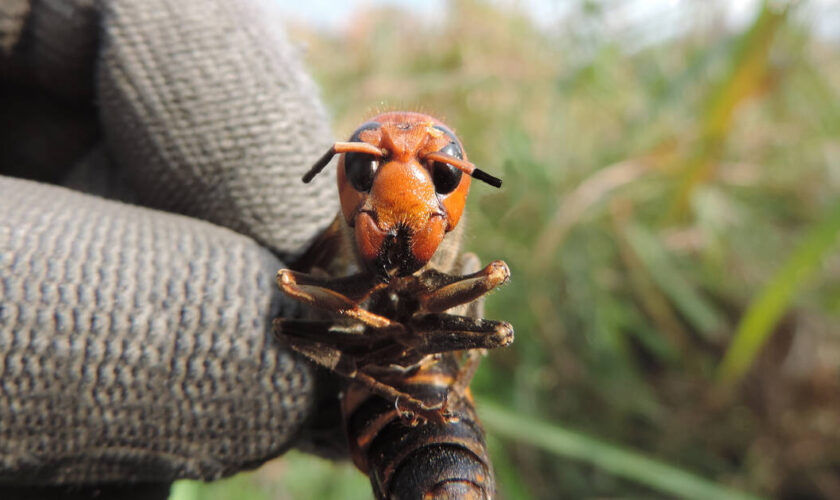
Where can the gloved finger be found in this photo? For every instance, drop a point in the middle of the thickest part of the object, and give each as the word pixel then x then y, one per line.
pixel 136 344
pixel 202 104
pixel 207 107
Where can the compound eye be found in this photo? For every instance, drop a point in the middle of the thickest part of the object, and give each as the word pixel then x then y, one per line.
pixel 360 169
pixel 446 177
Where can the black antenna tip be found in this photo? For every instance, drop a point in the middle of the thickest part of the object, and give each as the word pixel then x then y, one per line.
pixel 485 177
pixel 319 165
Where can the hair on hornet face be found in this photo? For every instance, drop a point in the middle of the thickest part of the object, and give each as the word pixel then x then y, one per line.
pixel 402 188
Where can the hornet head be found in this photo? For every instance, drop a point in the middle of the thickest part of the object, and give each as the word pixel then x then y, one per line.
pixel 402 187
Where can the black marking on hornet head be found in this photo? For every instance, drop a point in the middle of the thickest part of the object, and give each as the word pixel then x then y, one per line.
pixel 356 137
pixel 452 138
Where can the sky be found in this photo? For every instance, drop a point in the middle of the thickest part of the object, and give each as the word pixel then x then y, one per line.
pixel 672 16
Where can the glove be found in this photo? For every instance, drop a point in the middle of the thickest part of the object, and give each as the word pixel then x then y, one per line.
pixel 135 341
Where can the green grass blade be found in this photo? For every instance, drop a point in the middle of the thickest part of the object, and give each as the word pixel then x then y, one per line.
pixel 770 304
pixel 613 459
pixel 185 489
pixel 748 71
pixel 671 280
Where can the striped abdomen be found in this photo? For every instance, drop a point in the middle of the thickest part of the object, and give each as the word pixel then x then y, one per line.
pixel 420 459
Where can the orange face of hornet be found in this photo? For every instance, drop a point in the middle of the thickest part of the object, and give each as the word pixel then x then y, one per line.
pixel 402 203
pixel 402 187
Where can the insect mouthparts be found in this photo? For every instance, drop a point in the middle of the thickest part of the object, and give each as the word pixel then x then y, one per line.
pixel 395 256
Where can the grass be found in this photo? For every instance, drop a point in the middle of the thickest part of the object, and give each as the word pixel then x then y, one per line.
pixel 564 443
pixel 770 304
pixel 296 476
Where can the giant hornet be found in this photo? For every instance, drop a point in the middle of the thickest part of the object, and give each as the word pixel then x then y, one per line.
pixel 408 412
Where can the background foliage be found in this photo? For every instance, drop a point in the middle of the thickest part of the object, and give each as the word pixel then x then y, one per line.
pixel 670 217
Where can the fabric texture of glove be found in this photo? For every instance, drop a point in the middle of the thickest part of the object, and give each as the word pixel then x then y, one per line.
pixel 135 344
pixel 158 359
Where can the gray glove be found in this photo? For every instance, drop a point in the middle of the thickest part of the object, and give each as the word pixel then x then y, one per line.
pixel 135 343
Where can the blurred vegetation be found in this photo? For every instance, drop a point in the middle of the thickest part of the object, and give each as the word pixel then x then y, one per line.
pixel 670 216
pixel 296 476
